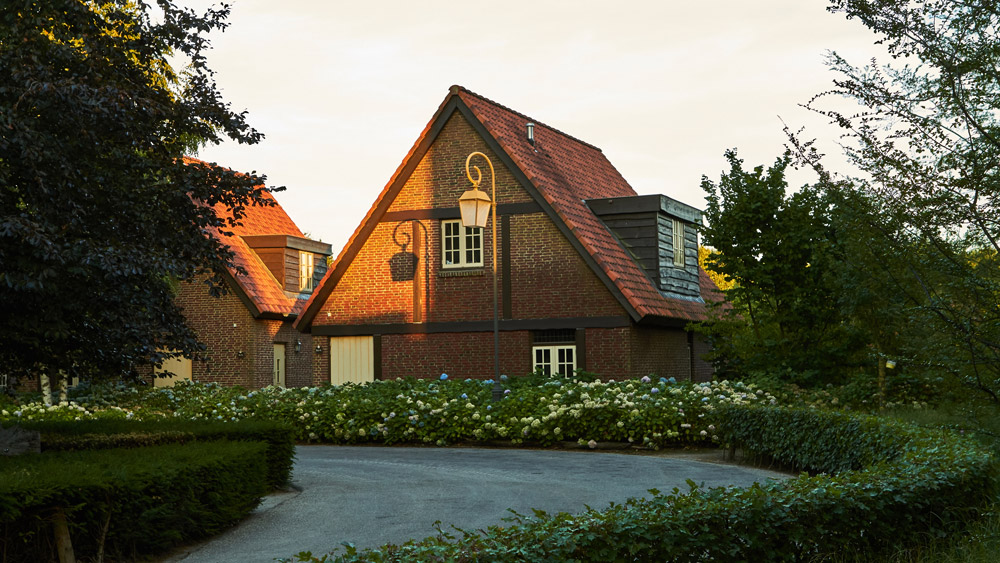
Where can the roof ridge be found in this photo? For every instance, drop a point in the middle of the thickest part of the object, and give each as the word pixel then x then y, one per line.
pixel 529 118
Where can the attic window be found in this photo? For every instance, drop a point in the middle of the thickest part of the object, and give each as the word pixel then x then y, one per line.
pixel 678 243
pixel 306 270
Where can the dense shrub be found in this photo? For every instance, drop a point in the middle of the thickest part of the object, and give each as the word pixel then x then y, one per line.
pixel 93 434
pixel 127 501
pixel 881 484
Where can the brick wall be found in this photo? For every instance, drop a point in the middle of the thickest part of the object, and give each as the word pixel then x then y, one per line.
pixel 608 352
pixel 549 277
pixel 660 352
pixel 240 348
pixel 460 355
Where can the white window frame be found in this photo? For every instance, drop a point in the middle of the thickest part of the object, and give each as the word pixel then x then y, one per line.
pixel 463 243
pixel 678 242
pixel 554 359
pixel 307 267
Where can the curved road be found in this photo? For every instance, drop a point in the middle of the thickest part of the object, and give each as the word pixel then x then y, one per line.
pixel 370 496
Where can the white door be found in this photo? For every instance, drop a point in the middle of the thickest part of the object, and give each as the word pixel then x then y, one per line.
pixel 279 365
pixel 352 359
pixel 180 367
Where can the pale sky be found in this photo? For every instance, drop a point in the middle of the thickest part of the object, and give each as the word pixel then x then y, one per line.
pixel 341 90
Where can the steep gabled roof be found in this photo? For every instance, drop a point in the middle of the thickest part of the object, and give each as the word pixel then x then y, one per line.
pixel 258 289
pixel 560 172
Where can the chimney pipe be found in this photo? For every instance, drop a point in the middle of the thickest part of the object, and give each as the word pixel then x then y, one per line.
pixel 531 133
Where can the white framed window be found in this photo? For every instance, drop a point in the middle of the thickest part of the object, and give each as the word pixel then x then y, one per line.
pixel 306 269
pixel 678 243
pixel 555 359
pixel 461 247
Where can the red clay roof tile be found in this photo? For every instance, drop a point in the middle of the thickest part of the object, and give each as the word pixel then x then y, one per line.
pixel 259 284
pixel 567 171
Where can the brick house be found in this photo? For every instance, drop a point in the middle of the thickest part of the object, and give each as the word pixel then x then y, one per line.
pixel 248 332
pixel 593 276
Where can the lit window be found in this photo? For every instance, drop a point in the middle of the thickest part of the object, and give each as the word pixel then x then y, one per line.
pixel 678 243
pixel 557 359
pixel 461 246
pixel 305 271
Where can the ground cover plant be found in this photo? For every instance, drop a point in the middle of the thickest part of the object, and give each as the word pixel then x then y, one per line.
pixel 654 412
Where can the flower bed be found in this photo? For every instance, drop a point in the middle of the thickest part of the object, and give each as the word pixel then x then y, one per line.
pixel 653 413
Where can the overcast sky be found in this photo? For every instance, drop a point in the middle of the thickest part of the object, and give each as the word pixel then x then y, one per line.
pixel 342 89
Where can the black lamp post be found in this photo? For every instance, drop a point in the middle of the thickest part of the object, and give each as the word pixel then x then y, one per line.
pixel 476 207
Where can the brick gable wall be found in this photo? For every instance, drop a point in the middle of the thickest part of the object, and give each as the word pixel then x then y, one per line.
pixel 549 280
pixel 240 348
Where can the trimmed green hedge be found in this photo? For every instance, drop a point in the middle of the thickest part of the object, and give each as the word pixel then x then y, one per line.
pixel 104 434
pixel 127 501
pixel 881 483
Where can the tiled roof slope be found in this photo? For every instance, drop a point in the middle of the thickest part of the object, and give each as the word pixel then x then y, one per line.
pixel 259 284
pixel 567 171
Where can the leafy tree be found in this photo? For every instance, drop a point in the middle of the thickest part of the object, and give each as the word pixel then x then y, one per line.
pixel 928 143
pixel 779 253
pixel 100 215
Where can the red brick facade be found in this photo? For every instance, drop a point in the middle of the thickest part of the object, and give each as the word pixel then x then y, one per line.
pixel 421 317
pixel 240 348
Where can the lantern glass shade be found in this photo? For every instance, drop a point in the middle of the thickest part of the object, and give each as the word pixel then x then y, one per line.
pixel 475 207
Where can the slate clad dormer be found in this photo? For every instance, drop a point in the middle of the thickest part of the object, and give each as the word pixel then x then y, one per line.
pixel 661 234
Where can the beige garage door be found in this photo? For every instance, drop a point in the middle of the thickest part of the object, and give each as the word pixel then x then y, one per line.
pixel 180 367
pixel 352 359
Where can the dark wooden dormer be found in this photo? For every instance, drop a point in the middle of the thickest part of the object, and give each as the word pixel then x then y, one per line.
pixel 287 258
pixel 661 234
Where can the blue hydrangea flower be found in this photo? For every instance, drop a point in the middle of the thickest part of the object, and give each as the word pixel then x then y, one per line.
pixel 444 376
pixel 654 390
pixel 464 396
pixel 503 378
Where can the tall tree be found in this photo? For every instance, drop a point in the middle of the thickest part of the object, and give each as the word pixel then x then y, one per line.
pixel 779 252
pixel 928 142
pixel 100 215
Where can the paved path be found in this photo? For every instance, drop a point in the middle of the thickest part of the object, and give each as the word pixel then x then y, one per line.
pixel 374 495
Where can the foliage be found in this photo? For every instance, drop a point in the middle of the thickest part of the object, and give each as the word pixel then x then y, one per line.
pixel 650 412
pixel 99 434
pixel 99 213
pixel 779 255
pixel 927 143
pixel 720 280
pixel 125 502
pixel 909 481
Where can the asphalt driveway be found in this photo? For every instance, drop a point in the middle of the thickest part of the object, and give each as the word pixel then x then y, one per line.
pixel 370 496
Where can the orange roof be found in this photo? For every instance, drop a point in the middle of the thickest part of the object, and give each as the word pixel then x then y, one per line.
pixel 258 285
pixel 564 172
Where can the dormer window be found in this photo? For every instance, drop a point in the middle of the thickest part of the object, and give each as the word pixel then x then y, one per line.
pixel 678 244
pixel 306 270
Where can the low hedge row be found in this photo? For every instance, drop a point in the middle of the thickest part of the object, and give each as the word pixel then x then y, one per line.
pixel 99 434
pixel 124 502
pixel 880 483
